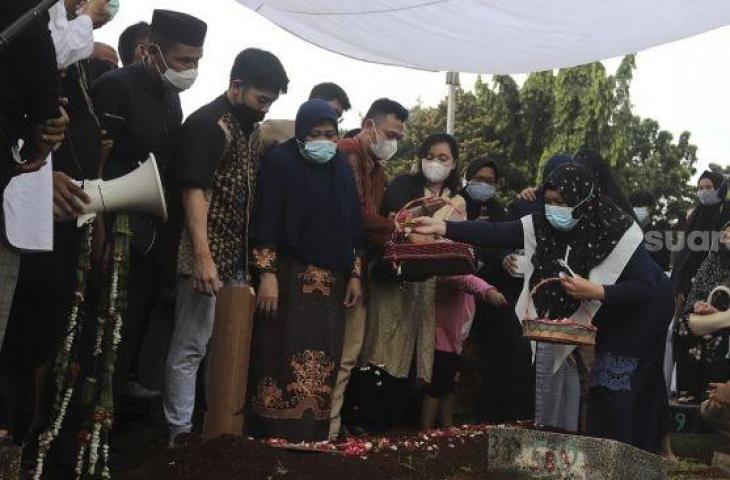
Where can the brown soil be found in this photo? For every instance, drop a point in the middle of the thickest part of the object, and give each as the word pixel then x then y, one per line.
pixel 231 457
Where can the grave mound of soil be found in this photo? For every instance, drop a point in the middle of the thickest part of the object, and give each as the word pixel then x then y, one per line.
pixel 459 454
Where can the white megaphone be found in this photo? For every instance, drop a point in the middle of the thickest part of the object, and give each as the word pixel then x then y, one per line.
pixel 139 191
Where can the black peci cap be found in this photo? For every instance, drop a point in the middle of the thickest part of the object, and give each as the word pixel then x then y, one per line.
pixel 179 27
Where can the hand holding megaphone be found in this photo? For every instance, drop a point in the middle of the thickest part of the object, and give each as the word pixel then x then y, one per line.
pixel 138 191
pixel 68 197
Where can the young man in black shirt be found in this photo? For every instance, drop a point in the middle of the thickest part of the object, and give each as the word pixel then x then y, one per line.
pixel 216 169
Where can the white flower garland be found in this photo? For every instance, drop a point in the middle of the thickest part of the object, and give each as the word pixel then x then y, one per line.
pixel 80 461
pixel 108 336
pixel 47 437
pixel 94 448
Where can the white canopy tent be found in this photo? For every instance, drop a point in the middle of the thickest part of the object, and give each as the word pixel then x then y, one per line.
pixel 491 36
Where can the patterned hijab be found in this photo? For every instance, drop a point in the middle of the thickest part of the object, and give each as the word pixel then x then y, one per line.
pixel 714 271
pixel 601 226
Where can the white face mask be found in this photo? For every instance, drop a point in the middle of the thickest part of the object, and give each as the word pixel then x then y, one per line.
pixel 384 148
pixel 180 81
pixel 434 171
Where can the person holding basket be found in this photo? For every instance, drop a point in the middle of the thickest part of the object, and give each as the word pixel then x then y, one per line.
pixel 417 318
pixel 606 278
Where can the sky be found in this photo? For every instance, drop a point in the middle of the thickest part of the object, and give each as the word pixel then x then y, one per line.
pixel 683 85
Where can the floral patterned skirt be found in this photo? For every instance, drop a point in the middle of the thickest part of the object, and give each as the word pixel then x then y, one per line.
pixel 295 356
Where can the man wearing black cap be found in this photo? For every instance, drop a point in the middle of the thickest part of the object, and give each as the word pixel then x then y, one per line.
pixel 139 106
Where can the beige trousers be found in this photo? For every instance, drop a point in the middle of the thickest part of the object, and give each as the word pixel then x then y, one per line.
pixel 351 347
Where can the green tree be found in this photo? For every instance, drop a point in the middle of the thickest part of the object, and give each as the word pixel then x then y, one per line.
pixel 558 113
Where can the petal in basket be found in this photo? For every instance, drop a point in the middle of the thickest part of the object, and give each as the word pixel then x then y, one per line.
pixel 566 331
pixel 417 257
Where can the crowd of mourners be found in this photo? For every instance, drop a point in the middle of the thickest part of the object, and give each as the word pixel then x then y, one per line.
pixel 302 212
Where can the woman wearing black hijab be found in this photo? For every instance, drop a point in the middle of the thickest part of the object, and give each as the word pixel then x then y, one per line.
pixel 711 212
pixel 306 235
pixel 628 296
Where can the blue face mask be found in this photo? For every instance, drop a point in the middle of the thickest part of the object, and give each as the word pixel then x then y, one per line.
pixel 708 197
pixel 560 218
pixel 112 7
pixel 318 151
pixel 480 191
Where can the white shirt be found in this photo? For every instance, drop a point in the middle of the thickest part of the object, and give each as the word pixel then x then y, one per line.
pixel 28 210
pixel 74 40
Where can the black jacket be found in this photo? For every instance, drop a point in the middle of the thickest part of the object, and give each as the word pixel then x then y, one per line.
pixel 28 81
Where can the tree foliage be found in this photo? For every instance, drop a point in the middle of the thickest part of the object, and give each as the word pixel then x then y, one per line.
pixel 522 126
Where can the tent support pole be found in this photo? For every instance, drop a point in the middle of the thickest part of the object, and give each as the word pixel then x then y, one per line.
pixel 452 80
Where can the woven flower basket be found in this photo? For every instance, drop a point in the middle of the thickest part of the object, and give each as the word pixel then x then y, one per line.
pixel 564 330
pixel 418 261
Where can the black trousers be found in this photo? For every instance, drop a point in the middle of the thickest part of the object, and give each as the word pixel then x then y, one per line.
pixel 507 386
pixel 147 324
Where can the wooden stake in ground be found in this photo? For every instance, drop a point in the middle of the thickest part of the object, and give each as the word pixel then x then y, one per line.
pixel 228 355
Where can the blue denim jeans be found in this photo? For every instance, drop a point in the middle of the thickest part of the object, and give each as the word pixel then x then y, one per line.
pixel 557 396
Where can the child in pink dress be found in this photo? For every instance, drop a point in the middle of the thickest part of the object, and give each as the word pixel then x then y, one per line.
pixel 455 308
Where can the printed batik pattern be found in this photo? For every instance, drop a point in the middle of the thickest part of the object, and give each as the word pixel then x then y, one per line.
pixel 317 280
pixel 613 372
pixel 265 259
pixel 309 389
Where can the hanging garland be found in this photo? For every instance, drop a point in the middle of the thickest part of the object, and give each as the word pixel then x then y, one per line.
pixel 97 402
pixel 65 373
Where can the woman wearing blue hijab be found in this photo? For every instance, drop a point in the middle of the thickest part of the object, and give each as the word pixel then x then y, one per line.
pixel 307 237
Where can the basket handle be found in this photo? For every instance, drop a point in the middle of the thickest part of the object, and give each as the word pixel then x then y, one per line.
pixel 543 282
pixel 422 200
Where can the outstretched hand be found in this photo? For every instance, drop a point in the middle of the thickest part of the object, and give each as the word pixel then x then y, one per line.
pixel 429 226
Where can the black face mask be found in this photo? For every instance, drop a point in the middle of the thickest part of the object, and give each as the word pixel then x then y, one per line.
pixel 95 68
pixel 247 116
